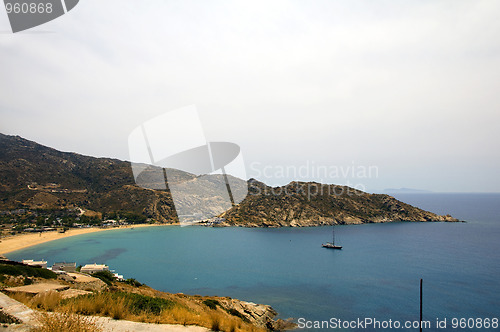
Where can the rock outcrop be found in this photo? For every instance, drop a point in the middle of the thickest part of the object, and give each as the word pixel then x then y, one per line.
pixel 301 204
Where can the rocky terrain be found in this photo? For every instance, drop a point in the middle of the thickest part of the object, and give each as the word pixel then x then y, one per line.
pixel 33 176
pixel 128 301
pixel 300 204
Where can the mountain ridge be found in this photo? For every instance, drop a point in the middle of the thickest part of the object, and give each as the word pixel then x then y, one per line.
pixel 34 176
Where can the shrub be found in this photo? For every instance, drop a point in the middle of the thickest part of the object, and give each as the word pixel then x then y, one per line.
pixel 212 304
pixel 27 271
pixel 133 282
pixel 238 314
pixel 145 304
pixel 215 326
pixel 105 276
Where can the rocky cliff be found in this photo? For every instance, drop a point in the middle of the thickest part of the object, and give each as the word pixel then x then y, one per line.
pixel 313 204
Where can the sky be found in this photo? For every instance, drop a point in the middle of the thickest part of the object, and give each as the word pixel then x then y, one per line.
pixel 372 94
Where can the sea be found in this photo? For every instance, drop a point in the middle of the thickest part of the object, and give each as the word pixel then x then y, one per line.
pixel 372 284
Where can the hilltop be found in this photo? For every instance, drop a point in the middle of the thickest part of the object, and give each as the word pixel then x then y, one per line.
pixel 33 176
pixel 313 204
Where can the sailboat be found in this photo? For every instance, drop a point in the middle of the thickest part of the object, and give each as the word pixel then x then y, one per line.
pixel 331 245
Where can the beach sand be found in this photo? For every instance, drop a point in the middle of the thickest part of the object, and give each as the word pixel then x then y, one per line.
pixel 16 242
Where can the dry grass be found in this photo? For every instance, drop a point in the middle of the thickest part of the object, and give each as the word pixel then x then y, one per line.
pixel 47 301
pixel 216 320
pixel 156 308
pixel 65 321
pixel 21 297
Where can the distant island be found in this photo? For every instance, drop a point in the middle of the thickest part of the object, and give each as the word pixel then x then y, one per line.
pixel 405 191
pixel 43 187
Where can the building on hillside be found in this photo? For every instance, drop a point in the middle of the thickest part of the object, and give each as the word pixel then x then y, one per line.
pixel 66 267
pixel 93 268
pixel 31 262
pixel 118 277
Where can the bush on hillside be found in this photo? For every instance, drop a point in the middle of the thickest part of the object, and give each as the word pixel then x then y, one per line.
pixel 27 271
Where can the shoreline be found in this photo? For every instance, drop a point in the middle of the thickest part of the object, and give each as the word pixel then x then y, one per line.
pixel 16 242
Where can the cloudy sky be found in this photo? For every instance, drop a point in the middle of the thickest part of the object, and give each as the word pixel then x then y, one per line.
pixel 410 88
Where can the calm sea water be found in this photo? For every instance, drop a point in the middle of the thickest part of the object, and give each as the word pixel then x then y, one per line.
pixel 376 275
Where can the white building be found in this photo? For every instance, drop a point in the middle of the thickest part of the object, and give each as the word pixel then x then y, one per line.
pixel 119 277
pixel 92 268
pixel 31 262
pixel 66 267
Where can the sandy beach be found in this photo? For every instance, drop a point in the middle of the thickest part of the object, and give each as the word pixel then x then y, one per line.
pixel 16 242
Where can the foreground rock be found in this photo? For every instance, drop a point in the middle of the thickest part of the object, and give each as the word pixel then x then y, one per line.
pixel 260 315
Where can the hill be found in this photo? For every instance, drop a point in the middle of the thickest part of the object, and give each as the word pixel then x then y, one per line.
pixel 313 204
pixel 38 177
pixel 33 176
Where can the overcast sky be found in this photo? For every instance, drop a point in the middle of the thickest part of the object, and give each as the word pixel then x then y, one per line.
pixel 410 88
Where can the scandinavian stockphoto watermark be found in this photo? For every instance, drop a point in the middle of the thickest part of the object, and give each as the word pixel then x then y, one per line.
pixel 170 152
pixel 26 14
pixel 351 176
pixel 371 323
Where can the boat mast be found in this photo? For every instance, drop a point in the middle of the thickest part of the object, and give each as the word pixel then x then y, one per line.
pixel 333 235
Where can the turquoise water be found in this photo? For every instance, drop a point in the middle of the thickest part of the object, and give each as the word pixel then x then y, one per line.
pixel 376 275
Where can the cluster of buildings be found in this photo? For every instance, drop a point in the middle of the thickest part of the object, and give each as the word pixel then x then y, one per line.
pixel 13 212
pixel 39 230
pixel 212 221
pixel 64 267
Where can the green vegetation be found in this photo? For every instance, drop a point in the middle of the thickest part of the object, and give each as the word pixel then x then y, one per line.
pixel 117 304
pixel 131 218
pixel 238 314
pixel 145 304
pixel 213 304
pixel 105 276
pixel 133 282
pixel 36 218
pixel 27 271
pixel 66 218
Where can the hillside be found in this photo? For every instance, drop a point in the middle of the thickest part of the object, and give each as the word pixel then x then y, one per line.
pixel 33 176
pixel 125 301
pixel 313 204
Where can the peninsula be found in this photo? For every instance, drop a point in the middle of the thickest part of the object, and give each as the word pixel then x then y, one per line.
pixel 44 187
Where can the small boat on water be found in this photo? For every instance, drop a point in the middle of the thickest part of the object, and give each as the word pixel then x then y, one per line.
pixel 331 245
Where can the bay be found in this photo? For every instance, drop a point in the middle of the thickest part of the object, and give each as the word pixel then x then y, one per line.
pixel 375 276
